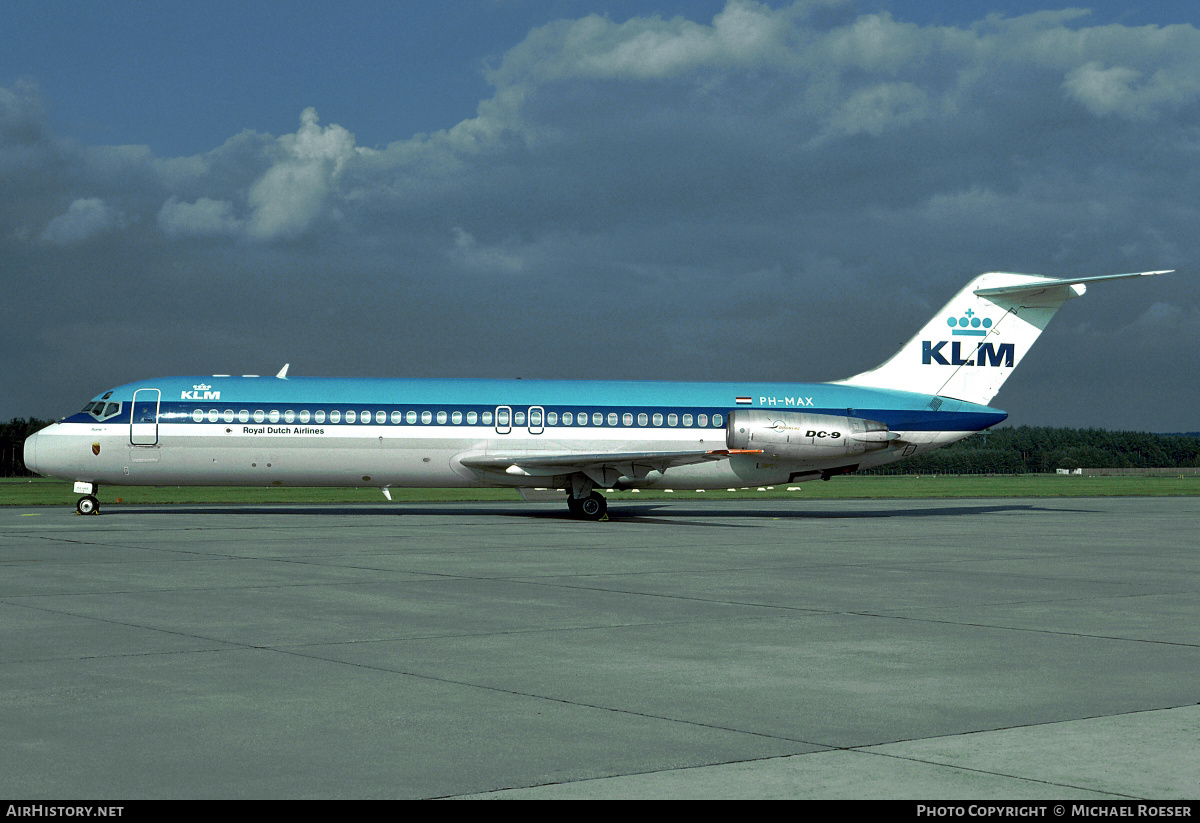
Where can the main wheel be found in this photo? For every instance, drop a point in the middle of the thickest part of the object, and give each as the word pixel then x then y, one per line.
pixel 87 505
pixel 593 507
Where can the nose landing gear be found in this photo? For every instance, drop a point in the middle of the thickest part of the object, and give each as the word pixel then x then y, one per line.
pixel 88 504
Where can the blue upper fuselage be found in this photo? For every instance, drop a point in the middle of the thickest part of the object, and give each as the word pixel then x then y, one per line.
pixel 899 410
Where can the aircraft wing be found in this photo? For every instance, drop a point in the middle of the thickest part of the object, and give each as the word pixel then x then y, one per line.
pixel 610 465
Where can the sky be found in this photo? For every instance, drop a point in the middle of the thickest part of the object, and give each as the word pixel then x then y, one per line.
pixel 666 190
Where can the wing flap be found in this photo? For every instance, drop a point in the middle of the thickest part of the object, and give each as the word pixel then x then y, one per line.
pixel 542 464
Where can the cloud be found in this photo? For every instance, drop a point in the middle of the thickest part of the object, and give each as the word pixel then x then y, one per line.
pixel 289 197
pixel 492 259
pixel 1166 321
pixel 776 193
pixel 1127 92
pixel 22 115
pixel 84 219
pixel 204 218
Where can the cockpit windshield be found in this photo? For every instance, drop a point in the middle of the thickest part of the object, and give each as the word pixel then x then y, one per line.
pixel 101 410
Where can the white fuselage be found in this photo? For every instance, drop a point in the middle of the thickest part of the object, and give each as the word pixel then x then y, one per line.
pixel 430 433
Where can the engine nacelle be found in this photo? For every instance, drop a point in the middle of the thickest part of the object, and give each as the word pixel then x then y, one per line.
pixel 799 436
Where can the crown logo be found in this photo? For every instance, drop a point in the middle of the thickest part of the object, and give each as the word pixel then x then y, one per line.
pixel 969 325
pixel 202 387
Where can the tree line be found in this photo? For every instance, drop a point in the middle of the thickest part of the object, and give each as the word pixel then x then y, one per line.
pixel 12 442
pixel 1042 449
pixel 1005 450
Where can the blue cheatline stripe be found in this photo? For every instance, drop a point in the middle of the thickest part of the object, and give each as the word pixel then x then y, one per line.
pixel 414 414
pixel 182 412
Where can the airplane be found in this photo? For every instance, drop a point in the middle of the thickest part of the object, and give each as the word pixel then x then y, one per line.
pixel 573 435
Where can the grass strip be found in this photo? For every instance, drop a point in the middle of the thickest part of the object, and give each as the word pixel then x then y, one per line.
pixel 22 491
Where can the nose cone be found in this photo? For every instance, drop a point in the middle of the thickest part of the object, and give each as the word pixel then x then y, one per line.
pixel 31 450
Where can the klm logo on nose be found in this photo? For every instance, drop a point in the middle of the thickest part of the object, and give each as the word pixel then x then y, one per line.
pixel 985 355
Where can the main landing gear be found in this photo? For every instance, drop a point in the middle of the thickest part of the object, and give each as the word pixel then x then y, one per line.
pixel 592 507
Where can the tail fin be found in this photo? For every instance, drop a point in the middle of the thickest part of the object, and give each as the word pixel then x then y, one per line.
pixel 972 345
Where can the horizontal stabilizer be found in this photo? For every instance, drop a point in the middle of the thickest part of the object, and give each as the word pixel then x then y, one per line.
pixel 1046 283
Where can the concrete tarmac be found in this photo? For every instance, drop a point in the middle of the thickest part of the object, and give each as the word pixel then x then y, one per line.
pixel 966 649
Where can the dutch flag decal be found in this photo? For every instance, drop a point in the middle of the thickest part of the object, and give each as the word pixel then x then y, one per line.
pixel 744 401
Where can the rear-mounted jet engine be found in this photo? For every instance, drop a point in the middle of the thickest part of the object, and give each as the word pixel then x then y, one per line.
pixel 799 436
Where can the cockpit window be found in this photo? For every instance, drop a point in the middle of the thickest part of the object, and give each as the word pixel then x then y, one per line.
pixel 102 411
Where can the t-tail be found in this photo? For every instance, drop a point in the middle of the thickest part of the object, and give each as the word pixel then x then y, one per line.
pixel 972 345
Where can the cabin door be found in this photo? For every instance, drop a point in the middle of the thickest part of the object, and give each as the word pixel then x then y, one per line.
pixel 143 420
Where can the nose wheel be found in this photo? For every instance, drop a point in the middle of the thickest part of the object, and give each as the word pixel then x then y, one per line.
pixel 87 505
pixel 592 507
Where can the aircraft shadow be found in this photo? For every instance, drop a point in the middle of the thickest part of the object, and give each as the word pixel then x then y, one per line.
pixel 619 512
